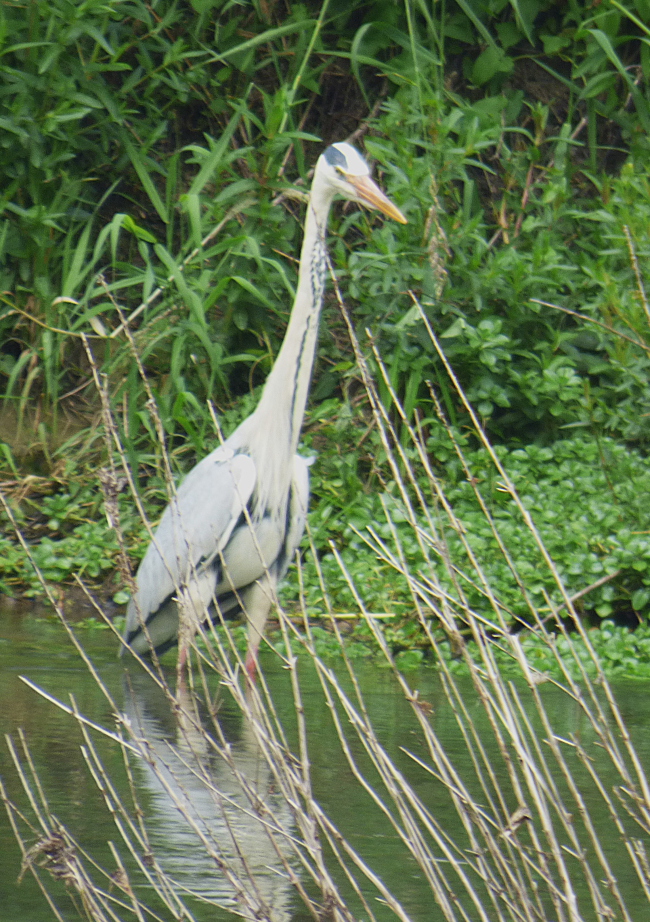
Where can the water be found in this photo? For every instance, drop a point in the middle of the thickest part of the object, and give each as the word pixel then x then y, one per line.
pixel 39 650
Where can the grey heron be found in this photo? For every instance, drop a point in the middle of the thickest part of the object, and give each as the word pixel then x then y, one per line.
pixel 230 532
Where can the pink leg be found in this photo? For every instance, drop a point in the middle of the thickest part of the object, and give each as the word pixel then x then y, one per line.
pixel 258 603
pixel 249 664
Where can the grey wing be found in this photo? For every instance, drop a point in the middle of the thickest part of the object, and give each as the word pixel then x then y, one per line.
pixel 193 530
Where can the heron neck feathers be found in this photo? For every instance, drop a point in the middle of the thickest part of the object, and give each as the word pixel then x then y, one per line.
pixel 273 430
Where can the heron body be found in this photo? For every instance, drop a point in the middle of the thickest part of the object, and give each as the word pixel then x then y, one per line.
pixel 230 532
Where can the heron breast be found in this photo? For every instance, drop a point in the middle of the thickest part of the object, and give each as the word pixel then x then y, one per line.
pixel 249 553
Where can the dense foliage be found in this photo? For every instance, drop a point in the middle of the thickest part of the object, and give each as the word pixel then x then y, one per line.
pixel 513 136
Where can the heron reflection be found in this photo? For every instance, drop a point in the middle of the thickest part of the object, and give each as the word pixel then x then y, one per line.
pixel 216 826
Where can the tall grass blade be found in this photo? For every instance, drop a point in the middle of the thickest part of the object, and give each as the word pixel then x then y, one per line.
pixel 144 177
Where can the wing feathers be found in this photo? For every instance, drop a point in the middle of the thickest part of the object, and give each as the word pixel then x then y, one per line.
pixel 204 542
pixel 195 526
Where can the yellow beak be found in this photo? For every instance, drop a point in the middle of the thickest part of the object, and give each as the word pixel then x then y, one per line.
pixel 371 195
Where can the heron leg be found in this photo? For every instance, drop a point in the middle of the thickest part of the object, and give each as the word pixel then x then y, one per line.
pixel 182 657
pixel 257 606
pixel 250 667
pixel 192 611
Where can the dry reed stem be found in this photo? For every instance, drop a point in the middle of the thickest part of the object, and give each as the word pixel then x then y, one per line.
pixel 527 849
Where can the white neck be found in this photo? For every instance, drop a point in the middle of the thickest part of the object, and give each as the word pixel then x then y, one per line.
pixel 285 392
pixel 272 432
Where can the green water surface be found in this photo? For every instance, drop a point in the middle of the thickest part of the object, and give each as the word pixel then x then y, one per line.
pixel 39 650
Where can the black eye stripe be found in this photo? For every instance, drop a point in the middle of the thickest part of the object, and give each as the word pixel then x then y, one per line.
pixel 335 158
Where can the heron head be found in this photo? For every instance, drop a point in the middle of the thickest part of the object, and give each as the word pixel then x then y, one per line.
pixel 348 174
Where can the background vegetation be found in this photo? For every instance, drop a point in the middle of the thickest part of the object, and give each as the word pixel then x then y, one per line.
pixel 148 164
